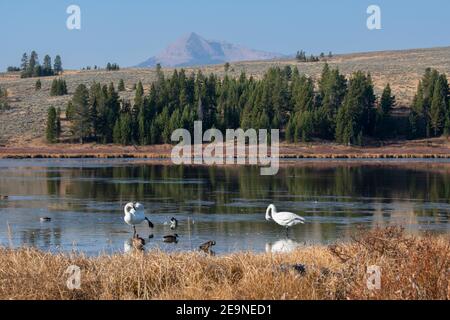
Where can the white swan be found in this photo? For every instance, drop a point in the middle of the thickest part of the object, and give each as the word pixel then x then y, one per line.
pixel 134 215
pixel 285 219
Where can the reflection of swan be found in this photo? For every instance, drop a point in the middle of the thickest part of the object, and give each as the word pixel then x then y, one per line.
pixel 281 246
pixel 134 214
pixel 285 219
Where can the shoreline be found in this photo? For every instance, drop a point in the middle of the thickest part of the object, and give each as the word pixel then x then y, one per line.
pixel 437 148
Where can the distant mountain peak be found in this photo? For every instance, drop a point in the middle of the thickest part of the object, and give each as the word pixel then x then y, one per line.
pixel 192 49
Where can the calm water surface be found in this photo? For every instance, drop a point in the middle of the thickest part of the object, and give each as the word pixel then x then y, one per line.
pixel 85 198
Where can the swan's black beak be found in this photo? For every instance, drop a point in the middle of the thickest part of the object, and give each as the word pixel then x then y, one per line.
pixel 150 224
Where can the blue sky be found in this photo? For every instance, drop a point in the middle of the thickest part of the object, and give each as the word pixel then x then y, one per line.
pixel 128 32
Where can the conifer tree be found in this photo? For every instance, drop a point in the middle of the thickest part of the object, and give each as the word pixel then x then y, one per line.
pixel 121 86
pixel 57 66
pixel 81 124
pixel 51 131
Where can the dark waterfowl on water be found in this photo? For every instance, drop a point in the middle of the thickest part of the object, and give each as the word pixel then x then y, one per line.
pixel 171 238
pixel 206 247
pixel 45 219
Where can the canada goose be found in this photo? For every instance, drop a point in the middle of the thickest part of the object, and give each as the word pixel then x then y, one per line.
pixel 173 223
pixel 298 267
pixel 138 242
pixel 206 247
pixel 134 215
pixel 171 238
pixel 285 219
pixel 134 244
pixel 45 219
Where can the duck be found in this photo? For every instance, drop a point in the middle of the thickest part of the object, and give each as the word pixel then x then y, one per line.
pixel 171 238
pixel 173 223
pixel 206 247
pixel 45 219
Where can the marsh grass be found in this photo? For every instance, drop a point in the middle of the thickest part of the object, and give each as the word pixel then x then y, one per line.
pixel 413 267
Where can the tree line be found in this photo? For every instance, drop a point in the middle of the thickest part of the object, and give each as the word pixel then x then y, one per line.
pixel 30 66
pixel 430 114
pixel 302 57
pixel 337 108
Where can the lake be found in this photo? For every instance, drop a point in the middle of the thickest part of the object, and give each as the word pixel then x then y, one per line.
pixel 85 200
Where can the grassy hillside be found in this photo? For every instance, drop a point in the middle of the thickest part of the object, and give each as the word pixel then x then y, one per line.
pixel 25 121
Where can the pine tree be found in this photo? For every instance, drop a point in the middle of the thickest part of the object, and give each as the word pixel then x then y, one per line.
pixel 24 63
pixel 121 86
pixel 57 67
pixel 70 111
pixel 439 105
pixel 383 118
pixel 125 129
pixel 111 114
pixel 47 66
pixel 58 88
pixel 58 123
pixel 387 101
pixel 117 138
pixel 357 113
pixel 139 95
pixel 33 63
pixel 81 125
pixel 51 132
pixel 54 88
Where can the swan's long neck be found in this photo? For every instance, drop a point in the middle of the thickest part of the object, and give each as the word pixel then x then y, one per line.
pixel 127 209
pixel 270 211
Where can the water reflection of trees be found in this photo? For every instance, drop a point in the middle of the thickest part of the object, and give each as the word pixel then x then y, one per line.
pixel 42 237
pixel 221 185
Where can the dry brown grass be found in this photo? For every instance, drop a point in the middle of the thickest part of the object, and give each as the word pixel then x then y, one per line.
pixel 412 268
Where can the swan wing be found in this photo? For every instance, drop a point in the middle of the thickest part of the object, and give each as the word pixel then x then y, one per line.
pixel 288 218
pixel 139 215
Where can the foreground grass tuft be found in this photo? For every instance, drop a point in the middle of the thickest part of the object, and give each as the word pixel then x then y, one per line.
pixel 412 267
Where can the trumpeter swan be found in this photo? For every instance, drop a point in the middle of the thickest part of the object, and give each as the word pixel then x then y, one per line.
pixel 285 219
pixel 134 215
